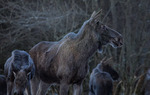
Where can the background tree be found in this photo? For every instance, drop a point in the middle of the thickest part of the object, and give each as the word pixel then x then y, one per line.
pixel 23 23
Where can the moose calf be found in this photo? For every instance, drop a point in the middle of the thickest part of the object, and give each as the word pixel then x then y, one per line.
pixel 19 70
pixel 101 79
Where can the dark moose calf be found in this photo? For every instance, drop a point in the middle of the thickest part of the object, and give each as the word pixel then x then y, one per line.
pixel 65 62
pixel 3 85
pixel 101 79
pixel 19 70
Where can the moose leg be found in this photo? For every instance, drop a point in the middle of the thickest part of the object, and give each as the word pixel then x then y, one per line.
pixel 77 89
pixel 43 87
pixel 29 88
pixel 9 87
pixel 64 87
pixel 34 85
pixel 90 93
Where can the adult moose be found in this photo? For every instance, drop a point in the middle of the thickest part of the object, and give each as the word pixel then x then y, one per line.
pixel 66 62
pixel 19 69
pixel 101 78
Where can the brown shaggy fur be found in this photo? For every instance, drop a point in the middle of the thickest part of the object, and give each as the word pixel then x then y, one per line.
pixel 66 62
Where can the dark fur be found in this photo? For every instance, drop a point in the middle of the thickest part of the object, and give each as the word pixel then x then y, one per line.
pixel 3 85
pixel 19 70
pixel 101 79
pixel 66 62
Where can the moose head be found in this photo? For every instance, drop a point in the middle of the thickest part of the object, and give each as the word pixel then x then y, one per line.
pixel 105 66
pixel 102 33
pixel 21 69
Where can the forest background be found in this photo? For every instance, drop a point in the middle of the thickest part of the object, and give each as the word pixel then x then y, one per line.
pixel 24 23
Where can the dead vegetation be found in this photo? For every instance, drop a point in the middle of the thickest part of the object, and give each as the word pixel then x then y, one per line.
pixel 23 23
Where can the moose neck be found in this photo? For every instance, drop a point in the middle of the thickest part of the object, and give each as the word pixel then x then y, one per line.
pixel 86 41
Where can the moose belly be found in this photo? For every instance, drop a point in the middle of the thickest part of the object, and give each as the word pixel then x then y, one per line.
pixel 48 77
pixel 80 75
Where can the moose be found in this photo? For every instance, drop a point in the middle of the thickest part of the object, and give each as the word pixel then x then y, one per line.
pixel 19 70
pixel 3 85
pixel 101 78
pixel 65 62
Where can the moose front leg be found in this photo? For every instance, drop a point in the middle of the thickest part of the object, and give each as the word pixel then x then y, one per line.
pixel 35 82
pixel 90 93
pixel 77 89
pixel 43 88
pixel 9 87
pixel 29 88
pixel 64 87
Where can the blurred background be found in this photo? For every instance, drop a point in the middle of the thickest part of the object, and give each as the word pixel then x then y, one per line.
pixel 24 23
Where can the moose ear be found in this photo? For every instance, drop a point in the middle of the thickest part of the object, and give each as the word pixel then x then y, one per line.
pixel 14 74
pixel 108 61
pixel 28 73
pixel 95 16
pixel 103 60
